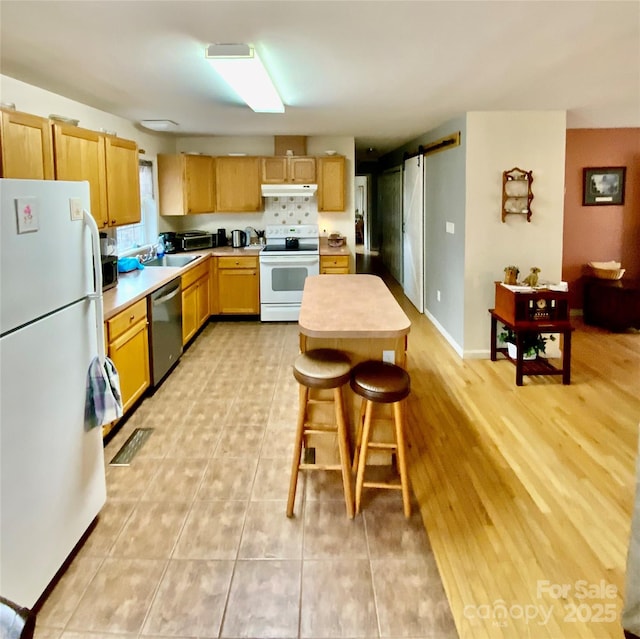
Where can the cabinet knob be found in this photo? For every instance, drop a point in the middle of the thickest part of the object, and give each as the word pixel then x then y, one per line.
pixel 131 318
pixel 113 221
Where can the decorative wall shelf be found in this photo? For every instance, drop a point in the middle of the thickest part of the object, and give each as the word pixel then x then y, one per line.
pixel 516 193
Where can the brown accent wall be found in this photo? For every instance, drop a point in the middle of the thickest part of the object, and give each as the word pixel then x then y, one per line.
pixel 600 233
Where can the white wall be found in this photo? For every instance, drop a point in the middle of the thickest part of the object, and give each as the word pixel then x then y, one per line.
pixel 498 141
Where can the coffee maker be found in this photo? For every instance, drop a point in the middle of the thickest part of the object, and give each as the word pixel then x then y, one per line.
pixel 221 237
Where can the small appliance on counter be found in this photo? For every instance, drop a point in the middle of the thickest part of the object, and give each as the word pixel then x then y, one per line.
pixel 109 262
pixel 192 241
pixel 239 238
pixel 221 237
pixel 169 239
pixel 109 271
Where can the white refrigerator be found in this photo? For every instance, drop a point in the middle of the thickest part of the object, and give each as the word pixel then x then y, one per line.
pixel 51 466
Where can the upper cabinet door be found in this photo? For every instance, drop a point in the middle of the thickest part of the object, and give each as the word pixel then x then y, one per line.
pixel 302 170
pixel 25 146
pixel 79 155
pixel 294 170
pixel 331 184
pixel 274 170
pixel 123 181
pixel 199 184
pixel 238 185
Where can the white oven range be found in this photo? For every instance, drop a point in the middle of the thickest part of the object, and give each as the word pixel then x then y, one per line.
pixel 290 255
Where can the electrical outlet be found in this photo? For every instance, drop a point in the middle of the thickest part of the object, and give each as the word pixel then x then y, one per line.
pixel 438 295
pixel 75 206
pixel 389 356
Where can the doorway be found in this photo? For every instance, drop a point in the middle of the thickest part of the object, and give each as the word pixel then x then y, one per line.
pixel 361 204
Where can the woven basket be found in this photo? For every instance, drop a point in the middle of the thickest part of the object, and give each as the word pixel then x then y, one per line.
pixel 606 270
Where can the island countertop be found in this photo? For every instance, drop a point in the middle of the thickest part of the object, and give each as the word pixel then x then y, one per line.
pixel 350 306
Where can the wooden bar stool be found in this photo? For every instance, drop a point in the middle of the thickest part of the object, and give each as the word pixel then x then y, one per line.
pixel 319 369
pixel 380 383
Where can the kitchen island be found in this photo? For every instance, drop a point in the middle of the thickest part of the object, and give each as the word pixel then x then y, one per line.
pixel 356 314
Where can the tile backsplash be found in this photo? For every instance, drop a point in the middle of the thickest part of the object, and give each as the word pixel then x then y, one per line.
pixel 301 209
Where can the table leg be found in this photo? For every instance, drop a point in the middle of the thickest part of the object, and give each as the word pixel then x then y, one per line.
pixel 566 358
pixel 494 332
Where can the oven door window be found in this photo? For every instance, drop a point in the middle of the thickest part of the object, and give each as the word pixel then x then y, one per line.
pixel 288 278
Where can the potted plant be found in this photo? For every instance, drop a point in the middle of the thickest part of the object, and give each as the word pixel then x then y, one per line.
pixel 534 343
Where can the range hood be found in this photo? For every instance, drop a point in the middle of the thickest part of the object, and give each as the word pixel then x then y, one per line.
pixel 288 190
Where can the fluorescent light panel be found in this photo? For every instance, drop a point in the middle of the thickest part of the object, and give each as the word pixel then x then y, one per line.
pixel 242 69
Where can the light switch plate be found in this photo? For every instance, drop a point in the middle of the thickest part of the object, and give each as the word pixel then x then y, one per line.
pixel 75 206
pixel 27 214
pixel 451 228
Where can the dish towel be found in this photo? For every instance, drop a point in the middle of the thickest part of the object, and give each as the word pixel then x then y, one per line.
pixel 103 399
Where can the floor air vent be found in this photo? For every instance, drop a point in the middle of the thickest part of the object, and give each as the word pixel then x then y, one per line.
pixel 128 451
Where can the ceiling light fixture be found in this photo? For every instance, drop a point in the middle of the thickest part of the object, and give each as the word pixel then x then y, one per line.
pixel 159 125
pixel 242 69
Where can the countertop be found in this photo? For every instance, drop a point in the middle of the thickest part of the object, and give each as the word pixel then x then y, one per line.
pixel 350 306
pixel 137 284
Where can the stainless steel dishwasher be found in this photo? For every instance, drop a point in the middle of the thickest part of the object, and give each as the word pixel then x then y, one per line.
pixel 165 312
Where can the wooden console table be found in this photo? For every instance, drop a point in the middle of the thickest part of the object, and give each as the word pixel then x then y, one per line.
pixel 537 311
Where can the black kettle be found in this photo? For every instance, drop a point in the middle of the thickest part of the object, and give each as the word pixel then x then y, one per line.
pixel 238 238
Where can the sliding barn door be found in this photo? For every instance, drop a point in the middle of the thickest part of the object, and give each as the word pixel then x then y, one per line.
pixel 413 231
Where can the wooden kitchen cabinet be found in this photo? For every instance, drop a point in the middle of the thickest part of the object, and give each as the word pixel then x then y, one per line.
pixel 128 339
pixel 80 155
pixel 123 181
pixel 108 163
pixel 195 300
pixel 293 170
pixel 237 286
pixel 237 184
pixel 331 183
pixel 26 149
pixel 186 184
pixel 334 264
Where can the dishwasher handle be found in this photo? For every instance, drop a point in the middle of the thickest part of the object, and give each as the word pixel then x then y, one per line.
pixel 157 301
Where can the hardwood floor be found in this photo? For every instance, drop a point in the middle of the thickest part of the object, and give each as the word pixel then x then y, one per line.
pixel 526 492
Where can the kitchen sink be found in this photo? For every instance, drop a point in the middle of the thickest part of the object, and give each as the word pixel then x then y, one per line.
pixel 172 260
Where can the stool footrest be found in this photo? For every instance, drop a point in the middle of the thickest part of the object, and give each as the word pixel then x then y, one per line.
pixel 319 429
pixel 380 484
pixel 382 445
pixel 320 467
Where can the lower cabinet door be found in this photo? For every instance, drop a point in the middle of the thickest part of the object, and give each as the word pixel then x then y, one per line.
pixel 130 354
pixel 189 312
pixel 239 291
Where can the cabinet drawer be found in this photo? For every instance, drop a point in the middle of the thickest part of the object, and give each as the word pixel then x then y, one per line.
pixel 250 261
pixel 121 322
pixel 335 261
pixel 194 274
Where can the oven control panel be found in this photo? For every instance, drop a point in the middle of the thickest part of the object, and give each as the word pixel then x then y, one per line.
pixel 281 231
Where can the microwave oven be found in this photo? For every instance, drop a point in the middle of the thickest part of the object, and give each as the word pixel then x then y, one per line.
pixel 109 271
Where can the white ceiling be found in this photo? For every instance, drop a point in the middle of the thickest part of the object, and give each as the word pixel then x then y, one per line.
pixel 383 71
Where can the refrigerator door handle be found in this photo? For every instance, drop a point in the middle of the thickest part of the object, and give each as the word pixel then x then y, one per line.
pixel 96 295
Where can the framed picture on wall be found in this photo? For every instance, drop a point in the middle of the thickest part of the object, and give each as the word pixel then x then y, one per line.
pixel 603 186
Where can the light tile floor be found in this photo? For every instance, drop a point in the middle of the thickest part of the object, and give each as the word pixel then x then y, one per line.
pixel 194 542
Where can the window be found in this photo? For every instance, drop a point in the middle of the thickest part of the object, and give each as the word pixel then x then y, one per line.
pixel 146 231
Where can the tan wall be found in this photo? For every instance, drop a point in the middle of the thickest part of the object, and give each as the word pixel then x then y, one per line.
pixel 600 233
